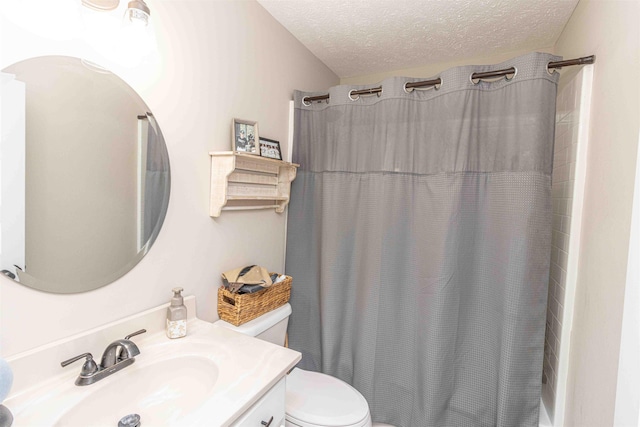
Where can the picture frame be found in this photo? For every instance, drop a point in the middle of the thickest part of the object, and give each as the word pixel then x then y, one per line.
pixel 270 148
pixel 244 137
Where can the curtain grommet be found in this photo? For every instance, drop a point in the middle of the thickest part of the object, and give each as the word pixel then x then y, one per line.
pixel 351 97
pixel 404 87
pixel 515 73
pixel 305 102
pixel 551 72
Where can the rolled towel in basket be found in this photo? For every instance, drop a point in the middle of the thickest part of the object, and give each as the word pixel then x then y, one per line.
pixel 251 275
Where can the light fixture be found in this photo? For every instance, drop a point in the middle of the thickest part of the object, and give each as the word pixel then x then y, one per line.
pixel 137 13
pixel 125 39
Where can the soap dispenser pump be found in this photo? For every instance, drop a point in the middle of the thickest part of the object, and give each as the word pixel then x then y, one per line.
pixel 177 316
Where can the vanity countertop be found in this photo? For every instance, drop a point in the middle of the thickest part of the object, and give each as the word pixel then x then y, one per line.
pixel 223 372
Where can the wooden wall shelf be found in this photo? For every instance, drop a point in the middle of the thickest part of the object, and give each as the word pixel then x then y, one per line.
pixel 243 181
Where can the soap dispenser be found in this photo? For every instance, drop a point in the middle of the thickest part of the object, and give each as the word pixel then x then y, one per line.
pixel 177 316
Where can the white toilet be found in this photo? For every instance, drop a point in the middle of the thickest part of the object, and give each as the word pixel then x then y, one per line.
pixel 313 399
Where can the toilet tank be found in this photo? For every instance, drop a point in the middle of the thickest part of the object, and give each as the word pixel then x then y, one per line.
pixel 271 326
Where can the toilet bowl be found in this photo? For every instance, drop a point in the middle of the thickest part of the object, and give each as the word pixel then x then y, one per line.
pixel 312 399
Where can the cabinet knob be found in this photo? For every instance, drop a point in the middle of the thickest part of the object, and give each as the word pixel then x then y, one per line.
pixel 267 423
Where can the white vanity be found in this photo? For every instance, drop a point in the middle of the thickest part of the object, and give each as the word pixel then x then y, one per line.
pixel 212 377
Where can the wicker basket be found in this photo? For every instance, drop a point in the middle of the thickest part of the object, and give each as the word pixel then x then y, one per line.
pixel 241 308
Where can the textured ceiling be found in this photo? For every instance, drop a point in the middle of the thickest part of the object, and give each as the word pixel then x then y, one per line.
pixel 359 37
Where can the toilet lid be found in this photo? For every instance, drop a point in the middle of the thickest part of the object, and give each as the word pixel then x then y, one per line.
pixel 323 400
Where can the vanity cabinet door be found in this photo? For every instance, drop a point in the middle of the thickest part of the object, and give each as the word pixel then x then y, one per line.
pixel 270 405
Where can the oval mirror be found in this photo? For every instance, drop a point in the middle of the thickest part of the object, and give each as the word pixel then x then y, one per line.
pixel 84 175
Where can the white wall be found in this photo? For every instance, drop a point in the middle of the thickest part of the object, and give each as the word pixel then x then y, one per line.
pixel 216 60
pixel 608 29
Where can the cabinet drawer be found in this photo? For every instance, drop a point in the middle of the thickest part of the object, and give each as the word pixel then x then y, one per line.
pixel 269 405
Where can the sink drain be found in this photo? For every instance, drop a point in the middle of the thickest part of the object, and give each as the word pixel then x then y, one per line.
pixel 131 420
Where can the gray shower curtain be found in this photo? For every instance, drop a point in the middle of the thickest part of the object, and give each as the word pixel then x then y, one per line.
pixel 419 235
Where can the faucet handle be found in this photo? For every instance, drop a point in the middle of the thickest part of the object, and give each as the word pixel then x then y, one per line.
pixel 88 368
pixel 133 334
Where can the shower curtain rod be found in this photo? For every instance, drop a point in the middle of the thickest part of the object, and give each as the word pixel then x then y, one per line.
pixel 434 82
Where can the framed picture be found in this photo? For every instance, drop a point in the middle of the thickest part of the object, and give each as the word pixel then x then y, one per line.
pixel 270 148
pixel 244 137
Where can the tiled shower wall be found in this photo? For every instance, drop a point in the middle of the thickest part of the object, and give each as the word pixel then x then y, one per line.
pixel 562 192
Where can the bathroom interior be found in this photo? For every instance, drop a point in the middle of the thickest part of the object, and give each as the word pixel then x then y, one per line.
pixel 199 64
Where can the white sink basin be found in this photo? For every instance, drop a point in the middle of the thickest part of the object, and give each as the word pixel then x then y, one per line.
pixel 209 378
pixel 165 391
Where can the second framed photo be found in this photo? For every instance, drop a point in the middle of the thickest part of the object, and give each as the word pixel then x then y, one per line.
pixel 270 148
pixel 244 134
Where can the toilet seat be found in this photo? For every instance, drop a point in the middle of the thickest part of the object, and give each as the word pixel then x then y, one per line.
pixel 314 399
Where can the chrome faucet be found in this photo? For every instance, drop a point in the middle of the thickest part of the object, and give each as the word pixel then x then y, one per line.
pixel 119 354
pixel 119 350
